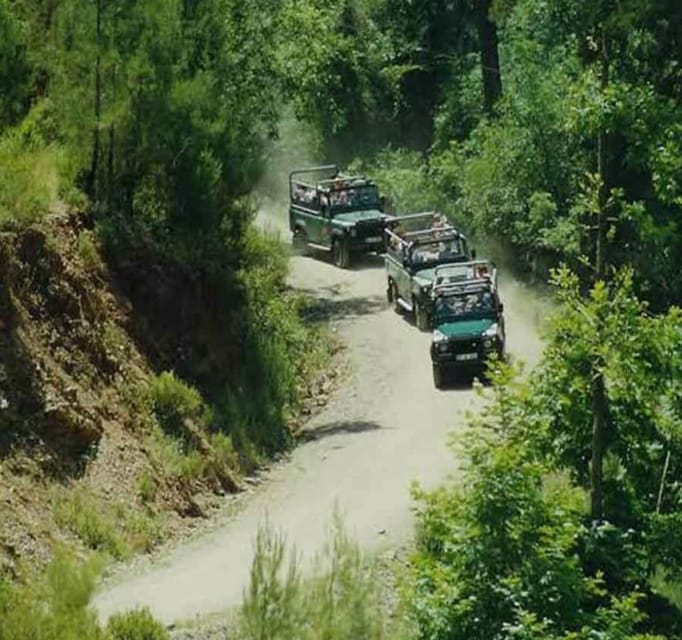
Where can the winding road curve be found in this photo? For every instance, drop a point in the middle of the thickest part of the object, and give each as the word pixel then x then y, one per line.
pixel 385 428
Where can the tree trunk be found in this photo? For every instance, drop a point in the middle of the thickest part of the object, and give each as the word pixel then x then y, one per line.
pixel 94 162
pixel 599 398
pixel 112 140
pixel 490 59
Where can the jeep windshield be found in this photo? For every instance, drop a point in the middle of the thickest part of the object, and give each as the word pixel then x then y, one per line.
pixel 464 306
pixel 354 198
pixel 429 254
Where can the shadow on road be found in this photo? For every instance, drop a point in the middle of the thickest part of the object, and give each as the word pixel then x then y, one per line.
pixel 361 262
pixel 367 261
pixel 342 308
pixel 463 381
pixel 345 427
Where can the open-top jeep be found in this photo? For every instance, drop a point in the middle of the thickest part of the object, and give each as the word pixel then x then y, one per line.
pixel 335 212
pixel 468 318
pixel 415 245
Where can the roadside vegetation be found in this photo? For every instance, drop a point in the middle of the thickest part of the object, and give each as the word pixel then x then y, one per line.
pixel 550 126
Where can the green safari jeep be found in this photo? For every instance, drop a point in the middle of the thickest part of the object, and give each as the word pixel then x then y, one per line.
pixel 334 212
pixel 416 245
pixel 468 319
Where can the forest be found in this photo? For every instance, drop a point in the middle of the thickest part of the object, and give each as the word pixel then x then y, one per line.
pixel 551 129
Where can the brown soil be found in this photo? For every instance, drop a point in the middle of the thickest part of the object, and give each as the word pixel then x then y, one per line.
pixel 76 352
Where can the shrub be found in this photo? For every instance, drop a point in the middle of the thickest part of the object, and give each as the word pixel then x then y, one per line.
pixel 53 607
pixel 116 530
pixel 175 402
pixel 28 181
pixel 340 603
pixel 87 250
pixel 136 625
pixel 146 486
pixel 80 512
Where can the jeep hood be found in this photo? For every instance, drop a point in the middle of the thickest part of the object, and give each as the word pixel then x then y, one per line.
pixel 358 216
pixel 462 328
pixel 424 277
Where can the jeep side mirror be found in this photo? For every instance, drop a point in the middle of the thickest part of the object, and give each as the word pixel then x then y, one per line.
pixel 500 307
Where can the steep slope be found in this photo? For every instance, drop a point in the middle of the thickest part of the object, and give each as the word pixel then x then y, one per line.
pixel 85 457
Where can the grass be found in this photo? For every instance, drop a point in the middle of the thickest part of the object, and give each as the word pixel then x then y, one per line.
pixel 56 606
pixel 116 530
pixel 28 182
pixel 88 251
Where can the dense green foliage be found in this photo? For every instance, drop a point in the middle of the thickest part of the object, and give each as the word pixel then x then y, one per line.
pixel 512 550
pixel 340 602
pixel 56 608
pixel 155 117
pixel 531 121
pixel 521 167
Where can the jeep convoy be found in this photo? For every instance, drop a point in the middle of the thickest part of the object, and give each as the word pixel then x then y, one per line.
pixel 432 273
pixel 468 320
pixel 412 258
pixel 338 213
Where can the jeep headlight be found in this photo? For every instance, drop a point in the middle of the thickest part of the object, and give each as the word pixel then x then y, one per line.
pixel 488 343
pixel 491 331
pixel 439 337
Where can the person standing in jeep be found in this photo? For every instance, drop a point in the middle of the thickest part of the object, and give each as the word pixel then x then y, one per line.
pixel 337 213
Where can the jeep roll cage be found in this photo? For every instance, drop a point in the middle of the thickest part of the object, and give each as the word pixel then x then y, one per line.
pixel 328 185
pixel 305 192
pixel 422 235
pixel 454 277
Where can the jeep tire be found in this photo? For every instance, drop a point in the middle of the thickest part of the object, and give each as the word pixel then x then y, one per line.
pixel 437 376
pixel 299 241
pixel 421 318
pixel 340 253
pixel 395 297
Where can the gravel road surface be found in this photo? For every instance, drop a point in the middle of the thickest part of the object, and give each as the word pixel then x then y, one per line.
pixel 385 428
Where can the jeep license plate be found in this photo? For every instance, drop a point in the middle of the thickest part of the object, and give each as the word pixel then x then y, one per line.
pixel 373 239
pixel 466 356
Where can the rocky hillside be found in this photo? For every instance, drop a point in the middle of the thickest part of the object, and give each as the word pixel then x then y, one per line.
pixel 85 457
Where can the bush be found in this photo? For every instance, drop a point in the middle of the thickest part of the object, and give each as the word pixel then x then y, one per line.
pixel 175 402
pixel 87 250
pixel 340 603
pixel 147 486
pixel 136 625
pixel 28 181
pixel 116 530
pixel 83 515
pixel 54 607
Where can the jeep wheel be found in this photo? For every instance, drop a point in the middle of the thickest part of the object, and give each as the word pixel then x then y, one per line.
pixel 395 296
pixel 299 241
pixel 437 377
pixel 389 292
pixel 340 254
pixel 421 318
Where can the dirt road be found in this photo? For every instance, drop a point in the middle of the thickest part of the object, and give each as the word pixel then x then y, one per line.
pixel 386 428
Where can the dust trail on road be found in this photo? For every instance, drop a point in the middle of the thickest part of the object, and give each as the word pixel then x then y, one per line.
pixel 386 428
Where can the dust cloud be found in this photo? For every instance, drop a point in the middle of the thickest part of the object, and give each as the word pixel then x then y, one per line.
pixel 296 147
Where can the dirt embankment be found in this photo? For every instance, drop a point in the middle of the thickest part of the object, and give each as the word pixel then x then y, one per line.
pixel 81 458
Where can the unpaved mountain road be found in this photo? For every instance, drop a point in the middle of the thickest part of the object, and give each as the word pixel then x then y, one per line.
pixel 385 428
